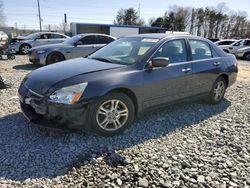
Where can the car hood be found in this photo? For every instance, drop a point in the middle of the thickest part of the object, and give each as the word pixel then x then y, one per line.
pixel 42 79
pixel 225 46
pixel 245 49
pixel 51 46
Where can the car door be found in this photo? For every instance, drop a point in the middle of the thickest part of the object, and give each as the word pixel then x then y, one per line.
pixel 170 83
pixel 206 65
pixel 84 46
pixel 56 38
pixel 42 39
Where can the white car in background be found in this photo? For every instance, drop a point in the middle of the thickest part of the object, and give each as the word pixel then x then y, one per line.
pixel 225 42
pixel 235 46
pixel 3 36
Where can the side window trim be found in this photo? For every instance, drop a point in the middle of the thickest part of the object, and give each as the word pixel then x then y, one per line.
pixel 172 40
pixel 159 47
pixel 210 47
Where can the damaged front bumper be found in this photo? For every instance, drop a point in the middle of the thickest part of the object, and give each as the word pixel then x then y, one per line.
pixel 51 115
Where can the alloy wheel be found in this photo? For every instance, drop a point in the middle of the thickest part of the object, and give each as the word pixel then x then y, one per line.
pixel 219 90
pixel 25 49
pixel 112 115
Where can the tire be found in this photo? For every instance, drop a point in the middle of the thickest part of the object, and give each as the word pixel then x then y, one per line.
pixel 247 56
pixel 54 58
pixel 107 125
pixel 217 92
pixel 24 49
pixel 11 56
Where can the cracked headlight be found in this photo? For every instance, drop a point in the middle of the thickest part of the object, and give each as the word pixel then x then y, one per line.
pixel 68 95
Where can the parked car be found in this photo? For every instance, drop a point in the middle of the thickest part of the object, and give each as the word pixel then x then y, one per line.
pixel 22 44
pixel 225 42
pixel 235 46
pixel 104 92
pixel 243 53
pixel 77 46
pixel 3 36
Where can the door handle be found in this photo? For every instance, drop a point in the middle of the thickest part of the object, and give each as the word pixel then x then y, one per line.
pixel 186 70
pixel 216 64
pixel 68 52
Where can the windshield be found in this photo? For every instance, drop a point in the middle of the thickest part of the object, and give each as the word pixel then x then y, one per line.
pixel 31 36
pixel 125 50
pixel 238 43
pixel 72 40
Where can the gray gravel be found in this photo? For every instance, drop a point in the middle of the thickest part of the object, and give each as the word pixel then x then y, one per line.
pixel 185 145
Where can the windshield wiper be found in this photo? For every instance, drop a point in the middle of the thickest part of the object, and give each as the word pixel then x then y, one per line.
pixel 102 59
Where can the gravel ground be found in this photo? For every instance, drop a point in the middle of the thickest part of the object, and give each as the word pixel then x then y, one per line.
pixel 186 145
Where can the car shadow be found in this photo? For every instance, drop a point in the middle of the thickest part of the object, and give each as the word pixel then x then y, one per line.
pixel 30 152
pixel 26 67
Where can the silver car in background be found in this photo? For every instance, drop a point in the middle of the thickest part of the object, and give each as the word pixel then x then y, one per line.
pixel 22 44
pixel 78 46
pixel 243 53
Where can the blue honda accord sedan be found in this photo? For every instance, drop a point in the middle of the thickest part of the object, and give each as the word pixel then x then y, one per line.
pixel 105 91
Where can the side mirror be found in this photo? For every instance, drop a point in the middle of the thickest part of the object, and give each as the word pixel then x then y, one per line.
pixel 159 62
pixel 78 43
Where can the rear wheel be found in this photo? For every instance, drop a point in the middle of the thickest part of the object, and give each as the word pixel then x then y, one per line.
pixel 24 49
pixel 247 56
pixel 218 91
pixel 54 58
pixel 112 114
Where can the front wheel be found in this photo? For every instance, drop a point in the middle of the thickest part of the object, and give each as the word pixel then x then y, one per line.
pixel 24 49
pixel 54 58
pixel 218 91
pixel 247 56
pixel 112 114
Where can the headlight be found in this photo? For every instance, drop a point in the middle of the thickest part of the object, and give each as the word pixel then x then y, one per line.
pixel 68 95
pixel 41 51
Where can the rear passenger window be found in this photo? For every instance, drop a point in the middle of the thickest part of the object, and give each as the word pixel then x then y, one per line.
pixel 104 39
pixel 247 43
pixel 90 39
pixel 175 50
pixel 200 49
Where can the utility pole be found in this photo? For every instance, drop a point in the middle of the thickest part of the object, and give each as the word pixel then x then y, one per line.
pixel 39 14
pixel 139 10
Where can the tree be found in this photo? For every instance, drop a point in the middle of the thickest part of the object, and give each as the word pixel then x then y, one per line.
pixel 128 17
pixel 2 17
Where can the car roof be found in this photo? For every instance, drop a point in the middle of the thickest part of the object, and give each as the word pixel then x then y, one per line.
pixel 44 32
pixel 87 34
pixel 163 35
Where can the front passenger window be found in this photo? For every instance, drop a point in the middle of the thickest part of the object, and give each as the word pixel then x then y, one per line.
pixel 175 50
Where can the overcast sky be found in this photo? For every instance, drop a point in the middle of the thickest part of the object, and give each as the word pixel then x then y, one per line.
pixel 24 12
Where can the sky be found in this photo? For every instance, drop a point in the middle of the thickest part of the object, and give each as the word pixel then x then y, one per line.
pixel 24 13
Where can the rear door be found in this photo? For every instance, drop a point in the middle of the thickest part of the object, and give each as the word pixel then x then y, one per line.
pixel 206 65
pixel 56 38
pixel 170 83
pixel 85 46
pixel 42 39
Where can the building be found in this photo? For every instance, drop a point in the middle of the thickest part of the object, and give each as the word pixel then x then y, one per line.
pixel 113 30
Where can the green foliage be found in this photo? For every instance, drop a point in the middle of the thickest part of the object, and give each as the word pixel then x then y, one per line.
pixel 208 22
pixel 128 17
